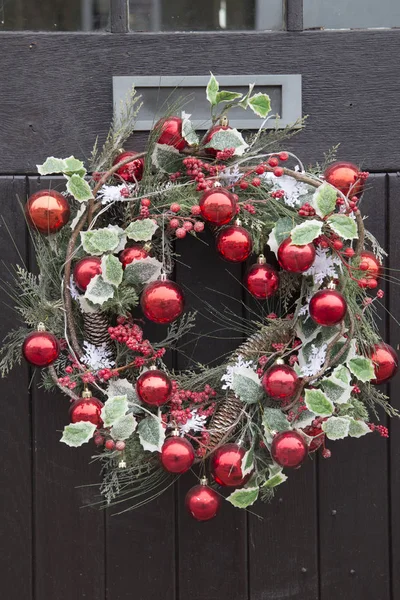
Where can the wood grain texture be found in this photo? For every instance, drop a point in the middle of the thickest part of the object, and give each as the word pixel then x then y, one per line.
pixel 294 15
pixel 15 413
pixel 68 102
pixel 119 16
pixel 353 485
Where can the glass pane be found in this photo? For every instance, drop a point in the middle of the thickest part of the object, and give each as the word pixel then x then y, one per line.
pixel 343 14
pixel 205 15
pixel 54 15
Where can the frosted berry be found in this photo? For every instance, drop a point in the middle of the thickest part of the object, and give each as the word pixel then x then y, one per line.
pixel 110 444
pixel 145 202
pixel 273 161
pixel 349 252
pixel 175 207
pixel 195 210
pixel 256 182
pixel 174 223
pixel 180 232
pixel 198 227
pixel 188 225
pixel 278 171
pixel 120 445
pixel 338 244
pixel 283 156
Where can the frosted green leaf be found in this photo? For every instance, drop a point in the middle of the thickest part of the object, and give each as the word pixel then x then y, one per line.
pixel 228 138
pixel 307 329
pixel 225 96
pixel 244 497
pixel 282 229
pixel 76 434
pixel 99 241
pixel 306 232
pixel 247 464
pixel 111 270
pixel 246 385
pixel 304 419
pixel 362 368
pixel 318 403
pixel 337 391
pixel 275 480
pixel 141 230
pixel 74 165
pixel 341 373
pixel 79 188
pixel 98 291
pixel 358 428
pixel 212 90
pixel 114 409
pixel 123 387
pixel 151 434
pixel 188 131
pixel 324 200
pixel 124 427
pixel 166 158
pixel 143 271
pixel 344 226
pixel 51 165
pixel 274 420
pixel 260 104
pixel 336 428
pixel 244 103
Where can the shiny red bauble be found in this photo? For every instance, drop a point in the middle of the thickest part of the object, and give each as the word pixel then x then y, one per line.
pixel 131 171
pixel 226 465
pixel 213 151
pixel 177 455
pixel 162 301
pixel 171 132
pixel 343 176
pixel 86 409
pixel 202 502
pixel 280 381
pixel 234 243
pixel 154 387
pixel 41 348
pixel 295 259
pixel 135 252
pixel 262 280
pixel 47 211
pixel 84 271
pixel 288 449
pixel 385 361
pixel 328 307
pixel 217 206
pixel 374 266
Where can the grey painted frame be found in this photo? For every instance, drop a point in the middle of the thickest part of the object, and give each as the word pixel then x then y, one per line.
pixel 290 89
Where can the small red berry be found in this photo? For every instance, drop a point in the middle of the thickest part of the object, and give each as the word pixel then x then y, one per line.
pixel 260 170
pixel 145 202
pixel 120 445
pixel 278 171
pixel 338 244
pixel 98 440
pixel 283 156
pixel 180 232
pixel 256 182
pixel 380 293
pixel 195 210
pixel 363 282
pixel 273 161
pixel 349 252
pixel 188 225
pixel 198 226
pixel 372 283
pixel 243 185
pixel 174 223
pixel 326 453
pixel 364 265
pixel 175 207
pixel 110 444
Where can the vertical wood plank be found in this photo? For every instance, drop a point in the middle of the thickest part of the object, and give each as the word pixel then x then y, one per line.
pixel 15 414
pixel 353 490
pixel 212 555
pixel 119 16
pixel 69 536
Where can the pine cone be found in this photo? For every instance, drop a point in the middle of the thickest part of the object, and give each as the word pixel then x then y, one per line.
pixel 224 421
pixel 95 326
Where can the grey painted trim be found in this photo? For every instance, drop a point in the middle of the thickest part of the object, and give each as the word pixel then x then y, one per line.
pixel 290 86
pixel 294 15
pixel 119 16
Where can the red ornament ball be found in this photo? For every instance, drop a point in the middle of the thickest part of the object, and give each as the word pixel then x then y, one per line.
pixel 373 266
pixel 154 387
pixel 177 455
pixel 385 361
pixel 295 259
pixel 162 301
pixel 226 465
pixel 210 135
pixel 132 171
pixel 86 409
pixel 84 271
pixel 234 243
pixel 47 211
pixel 41 348
pixel 217 206
pixel 171 132
pixel 135 252
pixel 202 502
pixel 343 176
pixel 288 449
pixel 328 307
pixel 262 281
pixel 280 381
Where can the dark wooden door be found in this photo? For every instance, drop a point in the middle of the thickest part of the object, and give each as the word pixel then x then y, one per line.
pixel 333 532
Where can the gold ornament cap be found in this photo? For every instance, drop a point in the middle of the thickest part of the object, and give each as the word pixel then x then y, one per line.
pixel 41 326
pixel 224 122
pixel 331 285
pixel 279 361
pixel 175 432
pixel 261 260
pixel 204 481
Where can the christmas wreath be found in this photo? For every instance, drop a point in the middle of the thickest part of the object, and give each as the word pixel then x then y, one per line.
pixel 309 368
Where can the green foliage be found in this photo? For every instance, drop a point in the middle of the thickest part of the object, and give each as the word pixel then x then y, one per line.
pixel 99 291
pixel 243 497
pixel 10 351
pixel 141 230
pixel 98 241
pixel 324 200
pixel 123 427
pixel 212 90
pixel 344 226
pixel 228 138
pixel 111 270
pixel 246 385
pixel 362 368
pixel 151 433
pixel 318 403
pixel 336 428
pixel 143 271
pixel 77 434
pixel 113 410
pixel 79 188
pixel 306 232
pixel 260 104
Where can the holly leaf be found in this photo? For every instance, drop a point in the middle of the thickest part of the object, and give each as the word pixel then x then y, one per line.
pixel 324 200
pixel 228 138
pixel 124 427
pixel 275 480
pixel 166 158
pixel 114 409
pixel 318 403
pixel 76 434
pixel 212 90
pixel 342 374
pixel 306 232
pixel 99 241
pixel 141 230
pixel 244 103
pixel 307 329
pixel 244 497
pixel 51 165
pixel 123 387
pixel 304 419
pixel 282 229
pixel 337 387
pixel 188 130
pixel 247 464
pixel 73 165
pixel 358 428
pixel 143 271
pixel 336 428
pixel 98 291
pixel 151 434
pixel 344 226
pixel 246 385
pixel 260 104
pixel 79 188
pixel 225 96
pixel 111 270
pixel 274 420
pixel 362 368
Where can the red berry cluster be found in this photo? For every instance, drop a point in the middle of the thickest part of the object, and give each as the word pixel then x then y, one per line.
pixel 249 207
pixel 130 334
pixel 187 224
pixel 124 192
pixel 278 194
pixel 226 154
pixel 306 210
pixel 381 429
pixel 198 171
pixel 182 402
